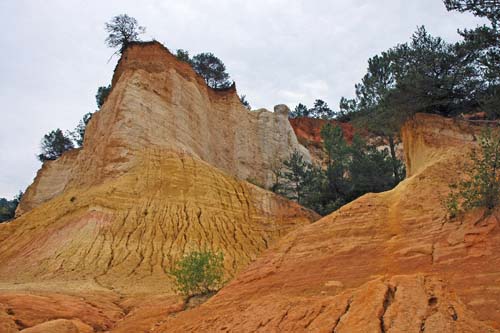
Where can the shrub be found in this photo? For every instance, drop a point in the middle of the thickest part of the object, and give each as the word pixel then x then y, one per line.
pixel 199 273
pixel 481 184
pixel 54 144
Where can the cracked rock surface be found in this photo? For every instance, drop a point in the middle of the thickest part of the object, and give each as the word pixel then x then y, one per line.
pixel 387 262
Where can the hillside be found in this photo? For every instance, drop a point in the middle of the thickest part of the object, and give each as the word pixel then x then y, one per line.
pixel 386 262
pixel 166 168
pixel 162 173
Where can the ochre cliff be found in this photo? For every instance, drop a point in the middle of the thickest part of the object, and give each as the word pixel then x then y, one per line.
pixel 159 102
pixel 161 173
pixel 126 232
pixel 387 262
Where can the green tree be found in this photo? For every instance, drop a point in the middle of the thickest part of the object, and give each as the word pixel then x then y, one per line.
pixel 244 101
pixel 481 184
pixel 300 111
pixel 347 109
pixel 79 132
pixel 482 8
pixel 336 192
pixel 183 55
pixel 335 144
pixel 295 174
pixel 122 30
pixel 8 207
pixel 480 45
pixel 199 273
pixel 102 94
pixel 212 69
pixel 54 144
pixel 321 110
pixel 370 170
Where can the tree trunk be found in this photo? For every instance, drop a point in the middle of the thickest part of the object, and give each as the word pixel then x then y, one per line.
pixel 392 147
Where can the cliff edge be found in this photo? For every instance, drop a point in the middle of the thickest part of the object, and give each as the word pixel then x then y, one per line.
pixel 158 103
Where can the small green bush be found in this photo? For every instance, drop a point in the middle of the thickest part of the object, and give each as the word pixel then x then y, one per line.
pixel 199 273
pixel 481 184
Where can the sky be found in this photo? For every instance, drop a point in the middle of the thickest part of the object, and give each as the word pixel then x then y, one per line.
pixel 53 56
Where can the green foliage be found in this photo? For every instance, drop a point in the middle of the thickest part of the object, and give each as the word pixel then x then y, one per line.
pixel 482 8
pixel 370 170
pixel 244 101
pixel 300 111
pixel 8 207
pixel 102 95
pixel 78 133
pixel 54 144
pixel 319 110
pixel 183 55
pixel 199 272
pixel 430 75
pixel 212 69
pixel 122 30
pixel 335 144
pixel 295 171
pixel 347 109
pixel 481 184
pixel 352 171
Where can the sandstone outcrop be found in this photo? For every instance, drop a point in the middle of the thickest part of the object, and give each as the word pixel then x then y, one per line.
pixel 158 102
pixel 162 173
pixel 387 262
pixel 126 232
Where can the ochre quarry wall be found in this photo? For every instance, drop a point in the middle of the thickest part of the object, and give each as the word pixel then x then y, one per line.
pixel 161 173
pixel 387 262
pixel 125 233
pixel 159 102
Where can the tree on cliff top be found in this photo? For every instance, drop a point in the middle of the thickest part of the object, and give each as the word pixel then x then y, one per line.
pixel 212 69
pixel 122 30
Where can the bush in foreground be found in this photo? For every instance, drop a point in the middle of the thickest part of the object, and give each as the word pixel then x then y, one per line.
pixel 199 273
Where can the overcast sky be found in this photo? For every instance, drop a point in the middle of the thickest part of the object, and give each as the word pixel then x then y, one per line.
pixel 53 56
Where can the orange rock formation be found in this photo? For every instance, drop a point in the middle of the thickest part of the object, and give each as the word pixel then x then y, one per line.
pixel 161 173
pixel 159 104
pixel 387 262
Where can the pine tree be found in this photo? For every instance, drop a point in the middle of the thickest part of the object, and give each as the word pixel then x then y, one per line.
pixel 54 144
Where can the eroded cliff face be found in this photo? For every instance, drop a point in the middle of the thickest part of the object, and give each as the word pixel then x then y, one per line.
pixel 387 262
pixel 158 102
pixel 162 173
pixel 126 233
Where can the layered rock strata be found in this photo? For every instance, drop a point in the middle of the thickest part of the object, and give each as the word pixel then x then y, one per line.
pixel 158 102
pixel 388 262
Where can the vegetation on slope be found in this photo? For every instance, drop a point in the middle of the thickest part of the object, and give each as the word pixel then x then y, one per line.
pixel 8 207
pixel 481 184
